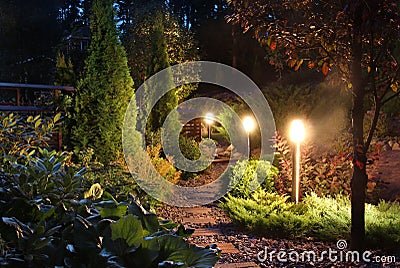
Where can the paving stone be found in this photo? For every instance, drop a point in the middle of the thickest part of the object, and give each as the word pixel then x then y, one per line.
pixel 207 232
pixel 197 210
pixel 193 220
pixel 225 247
pixel 236 265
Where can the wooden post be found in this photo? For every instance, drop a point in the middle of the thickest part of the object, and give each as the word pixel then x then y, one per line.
pixel 18 97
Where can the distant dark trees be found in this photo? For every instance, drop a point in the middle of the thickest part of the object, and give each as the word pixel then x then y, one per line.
pixel 32 33
pixel 29 32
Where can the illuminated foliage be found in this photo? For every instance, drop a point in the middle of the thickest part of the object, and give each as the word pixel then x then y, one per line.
pixel 358 39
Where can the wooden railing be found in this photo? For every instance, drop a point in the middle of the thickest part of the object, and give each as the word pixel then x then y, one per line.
pixel 32 99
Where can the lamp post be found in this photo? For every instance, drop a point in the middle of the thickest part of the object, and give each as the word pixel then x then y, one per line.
pixel 297 134
pixel 248 124
pixel 209 120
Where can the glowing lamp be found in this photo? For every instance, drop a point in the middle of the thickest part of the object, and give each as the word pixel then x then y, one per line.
pixel 209 118
pixel 297 132
pixel 248 124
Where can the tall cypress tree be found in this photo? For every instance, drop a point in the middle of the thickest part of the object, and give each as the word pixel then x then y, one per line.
pixel 105 89
pixel 159 61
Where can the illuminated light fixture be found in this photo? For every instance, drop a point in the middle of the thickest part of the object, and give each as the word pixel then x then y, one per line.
pixel 209 119
pixel 297 134
pixel 248 125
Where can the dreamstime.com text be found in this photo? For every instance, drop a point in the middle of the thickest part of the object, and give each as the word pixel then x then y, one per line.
pixel 341 254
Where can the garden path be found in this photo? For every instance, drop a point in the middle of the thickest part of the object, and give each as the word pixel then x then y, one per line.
pixel 212 226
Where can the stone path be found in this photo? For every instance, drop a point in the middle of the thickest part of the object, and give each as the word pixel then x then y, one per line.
pixel 211 226
pixel 211 234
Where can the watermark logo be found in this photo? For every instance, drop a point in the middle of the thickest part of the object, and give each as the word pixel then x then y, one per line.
pixel 340 254
pixel 341 244
pixel 152 91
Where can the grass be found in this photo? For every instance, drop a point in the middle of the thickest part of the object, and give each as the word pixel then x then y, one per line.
pixel 320 218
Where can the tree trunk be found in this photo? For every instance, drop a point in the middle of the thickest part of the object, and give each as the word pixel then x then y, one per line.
pixel 359 179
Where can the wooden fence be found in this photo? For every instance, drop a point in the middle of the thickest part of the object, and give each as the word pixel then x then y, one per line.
pixel 32 99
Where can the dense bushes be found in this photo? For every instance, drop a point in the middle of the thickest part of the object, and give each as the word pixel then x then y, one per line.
pixel 324 212
pixel 324 174
pixel 48 219
pixel 323 218
pixel 246 176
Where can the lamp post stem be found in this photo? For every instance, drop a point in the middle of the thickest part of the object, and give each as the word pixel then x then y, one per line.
pixel 296 174
pixel 248 143
pixel 209 131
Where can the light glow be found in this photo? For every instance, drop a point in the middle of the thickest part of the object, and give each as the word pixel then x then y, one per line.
pixel 209 118
pixel 297 132
pixel 248 123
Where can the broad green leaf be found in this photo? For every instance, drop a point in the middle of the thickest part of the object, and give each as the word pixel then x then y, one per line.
pixel 117 211
pixel 129 229
pixel 150 224
pixel 195 256
pixel 170 244
pixel 146 254
pixel 174 248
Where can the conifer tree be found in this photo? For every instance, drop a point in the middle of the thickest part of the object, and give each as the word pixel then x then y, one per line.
pixel 105 90
pixel 159 61
pixel 65 75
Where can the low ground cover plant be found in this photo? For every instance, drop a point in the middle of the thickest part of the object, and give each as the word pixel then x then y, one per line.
pixel 270 214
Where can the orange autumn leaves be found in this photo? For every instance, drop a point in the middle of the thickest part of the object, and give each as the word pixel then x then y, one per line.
pixel 296 63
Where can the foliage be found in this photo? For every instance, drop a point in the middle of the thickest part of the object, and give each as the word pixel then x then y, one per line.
pixel 357 39
pixel 118 181
pixel 323 174
pixel 158 62
pixel 227 117
pixel 65 76
pixel 321 218
pixel 104 91
pixel 48 219
pixel 382 125
pixel 162 165
pixel 21 135
pixel 138 35
pixel 246 175
pixel 189 148
pixel 119 234
pixel 289 102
